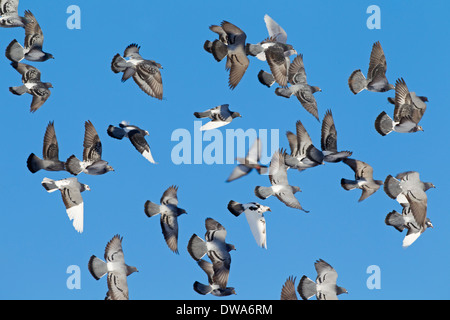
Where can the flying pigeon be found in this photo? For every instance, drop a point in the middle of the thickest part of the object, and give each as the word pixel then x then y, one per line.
pixel 280 185
pixel 50 161
pixel 92 155
pixel 211 288
pixel 376 75
pixel 407 220
pixel 250 162
pixel 363 179
pixel 303 153
pixel 231 44
pixel 288 289
pixel 220 116
pixel 9 17
pixel 71 194
pixel 300 87
pixel 254 212
pixel 408 111
pixel 115 267
pixel 329 140
pixel 169 216
pixel 145 73
pixel 216 248
pixel 135 134
pixel 31 79
pixel 33 44
pixel 325 287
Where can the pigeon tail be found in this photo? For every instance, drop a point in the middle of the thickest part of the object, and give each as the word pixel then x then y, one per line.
pixel 116 133
pixel 73 165
pixel 263 192
pixel 151 209
pixel 306 288
pixel 34 163
pixel 196 247
pixel 357 82
pixel 207 46
pixel 392 187
pixel 253 49
pixel 314 154
pixel 202 288
pixel 49 185
pixel 219 50
pixel 14 51
pixel 348 184
pixel 395 219
pixel 18 90
pixel 202 114
pixel 266 78
pixel 384 124
pixel 97 267
pixel 283 92
pixel 235 208
pixel 118 64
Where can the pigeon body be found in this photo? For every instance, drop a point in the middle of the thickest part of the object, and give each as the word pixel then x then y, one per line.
pixel 50 153
pixel 211 288
pixel 115 267
pixel 136 136
pixel 329 140
pixel 250 162
pixel 363 178
pixel 376 80
pixel 254 212
pixel 9 16
pixel 146 73
pixel 71 194
pixel 220 116
pixel 31 79
pixel 169 216
pixel 92 155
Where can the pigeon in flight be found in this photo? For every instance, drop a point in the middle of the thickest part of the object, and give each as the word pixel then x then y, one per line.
pixel 329 140
pixel 288 289
pixel 9 16
pixel 136 136
pixel 211 288
pixel 299 87
pixel 325 287
pixel 31 79
pixel 32 50
pixel 231 44
pixel 71 194
pixel 408 111
pixel 220 116
pixel 145 73
pixel 303 153
pixel 169 216
pixel 363 179
pixel 376 75
pixel 115 267
pixel 216 248
pixel 280 185
pixel 250 162
pixel 92 155
pixel 254 212
pixel 406 220
pixel 50 153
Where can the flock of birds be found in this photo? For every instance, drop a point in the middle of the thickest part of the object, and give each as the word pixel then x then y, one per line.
pixel 406 188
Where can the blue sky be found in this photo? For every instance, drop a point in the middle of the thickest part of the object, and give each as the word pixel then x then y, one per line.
pixel 39 242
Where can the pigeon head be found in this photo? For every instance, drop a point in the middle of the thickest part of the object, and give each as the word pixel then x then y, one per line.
pixel 131 270
pixel 428 223
pixel 424 99
pixel 340 290
pixel 316 89
pixel 230 247
pixel 264 208
pixel 109 168
pixel 48 85
pixel 85 187
pixel 48 56
pixel 429 185
pixel 235 115
pixel 181 211
pixel 295 189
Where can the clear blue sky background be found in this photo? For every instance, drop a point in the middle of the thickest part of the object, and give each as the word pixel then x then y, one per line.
pixel 39 242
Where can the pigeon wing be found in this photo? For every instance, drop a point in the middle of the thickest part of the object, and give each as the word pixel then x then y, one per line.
pixel 92 145
pixel 50 150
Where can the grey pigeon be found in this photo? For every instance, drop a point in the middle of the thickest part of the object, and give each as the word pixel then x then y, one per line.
pixel 31 79
pixel 329 140
pixel 250 162
pixel 92 155
pixel 231 44
pixel 325 287
pixel 211 288
pixel 408 111
pixel 145 72
pixel 254 212
pixel 136 136
pixel 50 153
pixel 220 116
pixel 288 289
pixel 363 178
pixel 303 153
pixel 277 56
pixel 300 87
pixel 115 267
pixel 223 37
pixel 216 248
pixel 406 220
pixel 71 194
pixel 376 75
pixel 32 50
pixel 280 184
pixel 9 16
pixel 170 212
